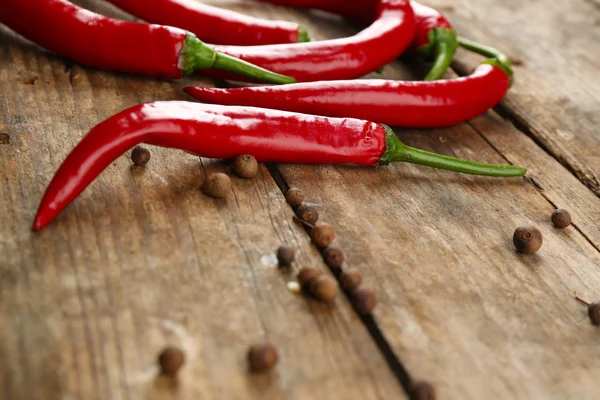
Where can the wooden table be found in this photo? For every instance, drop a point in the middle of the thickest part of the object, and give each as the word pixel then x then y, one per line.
pixel 143 259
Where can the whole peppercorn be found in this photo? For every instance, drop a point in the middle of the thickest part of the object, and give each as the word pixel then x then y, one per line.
pixel 422 391
pixel 217 185
pixel 324 288
pixel 561 218
pixel 140 156
pixel 262 357
pixel 294 197
pixel 245 166
pixel 307 275
pixel 350 280
pixel 171 359
pixel 363 300
pixel 307 213
pixel 334 257
pixel 322 235
pixel 527 239
pixel 285 256
pixel 594 313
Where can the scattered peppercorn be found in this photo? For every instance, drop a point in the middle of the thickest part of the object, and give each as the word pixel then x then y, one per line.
pixel 324 288
pixel 170 360
pixel 285 256
pixel 334 257
pixel 322 235
pixel 561 218
pixel 351 280
pixel 245 166
pixel 307 275
pixel 363 300
pixel 594 313
pixel 294 197
pixel 422 390
pixel 527 239
pixel 262 357
pixel 140 156
pixel 4 138
pixel 307 213
pixel 293 287
pixel 217 185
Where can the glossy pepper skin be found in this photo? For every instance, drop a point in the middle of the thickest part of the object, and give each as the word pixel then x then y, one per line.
pixel 347 58
pixel 226 132
pixel 435 39
pixel 106 43
pixel 213 24
pixel 414 104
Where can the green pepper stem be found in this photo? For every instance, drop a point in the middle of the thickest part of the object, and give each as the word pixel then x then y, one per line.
pixel 444 47
pixel 487 51
pixel 303 35
pixel 396 151
pixel 196 55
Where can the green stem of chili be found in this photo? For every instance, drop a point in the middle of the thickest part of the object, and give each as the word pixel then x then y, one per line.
pixel 396 151
pixel 197 55
pixel 303 35
pixel 444 44
pixel 487 51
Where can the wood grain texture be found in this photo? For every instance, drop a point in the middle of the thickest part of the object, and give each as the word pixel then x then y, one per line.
pixel 555 95
pixel 143 259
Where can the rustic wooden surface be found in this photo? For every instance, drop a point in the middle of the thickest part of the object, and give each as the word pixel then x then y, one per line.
pixel 142 259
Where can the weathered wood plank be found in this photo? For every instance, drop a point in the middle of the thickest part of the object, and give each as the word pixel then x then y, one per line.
pixel 142 260
pixel 556 89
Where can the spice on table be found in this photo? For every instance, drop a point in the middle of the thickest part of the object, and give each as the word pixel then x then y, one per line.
pixel 294 197
pixel 170 360
pixel 334 257
pixel 325 288
pixel 223 132
pixel 421 390
pixel 322 235
pixel 4 138
pixel 106 43
pixel 351 280
pixel 214 24
pixel 307 275
pixel 307 213
pixel 527 239
pixel 245 166
pixel 140 156
pixel 561 218
pixel 594 313
pixel 285 256
pixel 262 357
pixel 363 300
pixel 217 185
pixel 294 287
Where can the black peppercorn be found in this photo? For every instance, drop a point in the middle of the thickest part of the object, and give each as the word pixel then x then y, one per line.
pixel 334 257
pixel 594 313
pixel 363 300
pixel 294 197
pixel 307 213
pixel 285 256
pixel 140 156
pixel 422 391
pixel 324 288
pixel 217 185
pixel 527 239
pixel 262 357
pixel 561 218
pixel 350 280
pixel 307 275
pixel 170 360
pixel 245 166
pixel 322 235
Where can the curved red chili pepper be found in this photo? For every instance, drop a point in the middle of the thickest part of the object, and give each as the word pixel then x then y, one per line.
pixel 226 132
pixel 213 24
pixel 397 103
pixel 435 38
pixel 101 42
pixel 379 44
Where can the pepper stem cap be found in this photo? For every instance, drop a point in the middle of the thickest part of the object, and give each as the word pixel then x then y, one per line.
pixel 303 35
pixel 442 46
pixel 498 58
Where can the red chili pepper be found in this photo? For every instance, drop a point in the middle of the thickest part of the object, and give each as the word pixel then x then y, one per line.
pixel 226 132
pixel 435 38
pixel 213 24
pixel 107 43
pixel 397 103
pixel 379 44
